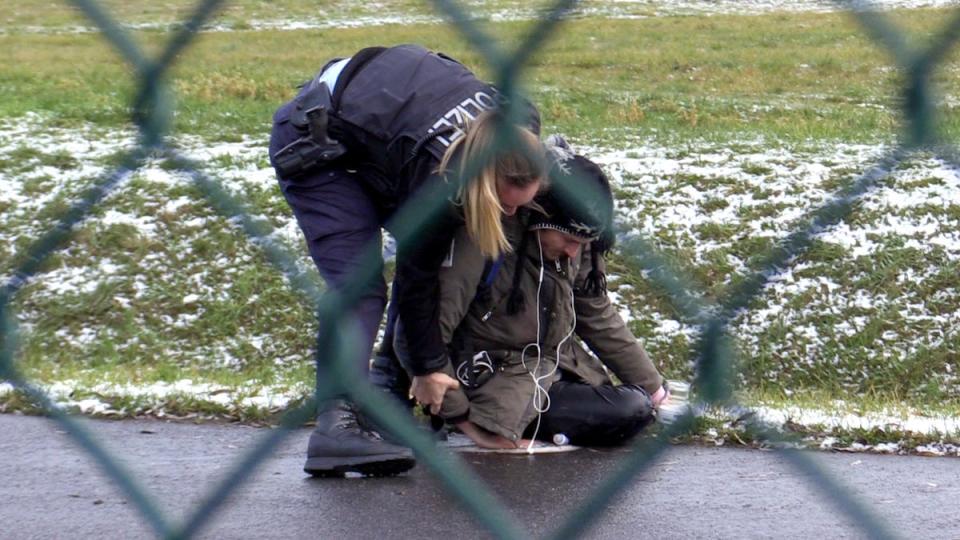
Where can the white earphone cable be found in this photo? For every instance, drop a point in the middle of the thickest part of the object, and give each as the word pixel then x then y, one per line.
pixel 539 392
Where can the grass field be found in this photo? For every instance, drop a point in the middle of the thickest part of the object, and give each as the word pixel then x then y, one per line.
pixel 722 132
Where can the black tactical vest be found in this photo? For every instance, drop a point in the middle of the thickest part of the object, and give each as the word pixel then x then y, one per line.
pixel 405 100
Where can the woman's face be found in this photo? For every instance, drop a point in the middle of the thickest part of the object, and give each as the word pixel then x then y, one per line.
pixel 513 197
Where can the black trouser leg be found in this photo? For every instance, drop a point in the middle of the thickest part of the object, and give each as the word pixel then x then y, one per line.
pixel 393 311
pixel 340 224
pixel 603 415
pixel 386 372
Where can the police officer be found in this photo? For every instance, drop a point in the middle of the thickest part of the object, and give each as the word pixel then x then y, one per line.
pixel 362 138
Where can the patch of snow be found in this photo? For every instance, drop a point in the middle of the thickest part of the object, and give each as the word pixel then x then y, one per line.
pixel 353 15
pixel 262 397
pixel 767 190
pixel 144 224
pixel 666 193
pixel 888 421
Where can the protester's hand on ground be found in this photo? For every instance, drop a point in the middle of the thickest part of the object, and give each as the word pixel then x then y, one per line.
pixel 660 397
pixel 429 389
pixel 485 439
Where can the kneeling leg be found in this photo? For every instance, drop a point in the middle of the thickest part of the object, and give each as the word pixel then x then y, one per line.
pixel 602 415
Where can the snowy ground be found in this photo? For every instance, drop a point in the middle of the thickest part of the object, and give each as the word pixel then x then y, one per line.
pixel 370 14
pixel 681 198
pixel 707 200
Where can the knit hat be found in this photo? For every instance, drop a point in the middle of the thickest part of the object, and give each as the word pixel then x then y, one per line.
pixel 579 203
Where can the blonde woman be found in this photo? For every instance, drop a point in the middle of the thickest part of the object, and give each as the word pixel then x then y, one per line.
pixel 361 140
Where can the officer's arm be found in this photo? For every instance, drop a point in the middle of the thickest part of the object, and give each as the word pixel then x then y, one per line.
pixel 418 300
pixel 603 330
pixel 418 293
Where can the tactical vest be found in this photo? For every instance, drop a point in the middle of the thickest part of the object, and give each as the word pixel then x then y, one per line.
pixel 406 99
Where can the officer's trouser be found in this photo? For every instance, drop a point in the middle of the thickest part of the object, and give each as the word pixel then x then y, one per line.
pixel 604 415
pixel 340 222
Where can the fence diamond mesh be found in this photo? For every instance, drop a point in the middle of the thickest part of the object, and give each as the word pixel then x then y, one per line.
pixel 713 355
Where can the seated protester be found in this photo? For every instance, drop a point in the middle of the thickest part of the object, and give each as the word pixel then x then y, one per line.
pixel 509 321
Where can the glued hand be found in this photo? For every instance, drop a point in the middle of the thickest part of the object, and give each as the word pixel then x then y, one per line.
pixel 429 389
pixel 660 397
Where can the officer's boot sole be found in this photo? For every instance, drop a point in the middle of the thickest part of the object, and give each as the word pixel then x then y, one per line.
pixel 337 467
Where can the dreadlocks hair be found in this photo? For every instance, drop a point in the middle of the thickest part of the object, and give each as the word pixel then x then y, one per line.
pixel 595 283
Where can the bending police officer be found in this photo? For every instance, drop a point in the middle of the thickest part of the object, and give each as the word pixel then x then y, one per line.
pixel 398 121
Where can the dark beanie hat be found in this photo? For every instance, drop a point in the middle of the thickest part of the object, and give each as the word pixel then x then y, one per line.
pixel 579 203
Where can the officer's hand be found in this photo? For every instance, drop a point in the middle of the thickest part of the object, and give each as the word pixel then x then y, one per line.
pixel 429 389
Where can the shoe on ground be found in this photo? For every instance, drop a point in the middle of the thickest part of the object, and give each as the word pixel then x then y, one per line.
pixel 339 445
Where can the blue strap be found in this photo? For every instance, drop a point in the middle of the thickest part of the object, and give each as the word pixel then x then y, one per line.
pixel 491 273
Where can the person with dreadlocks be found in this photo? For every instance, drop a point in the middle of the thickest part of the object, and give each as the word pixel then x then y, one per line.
pixel 516 326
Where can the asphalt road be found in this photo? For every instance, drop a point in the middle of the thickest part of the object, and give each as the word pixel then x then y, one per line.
pixel 51 489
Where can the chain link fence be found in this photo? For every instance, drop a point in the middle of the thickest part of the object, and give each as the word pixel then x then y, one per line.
pixel 713 354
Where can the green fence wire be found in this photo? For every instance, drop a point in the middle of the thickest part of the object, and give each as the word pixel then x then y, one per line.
pixel 713 355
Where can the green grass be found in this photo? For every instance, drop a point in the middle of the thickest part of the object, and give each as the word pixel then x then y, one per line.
pixel 233 14
pixel 719 432
pixel 856 365
pixel 25 158
pixel 856 351
pixel 136 327
pixel 669 77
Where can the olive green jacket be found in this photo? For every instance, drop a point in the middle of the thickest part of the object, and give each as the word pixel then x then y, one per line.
pixel 508 402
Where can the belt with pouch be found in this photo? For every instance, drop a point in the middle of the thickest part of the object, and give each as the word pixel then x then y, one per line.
pixel 310 116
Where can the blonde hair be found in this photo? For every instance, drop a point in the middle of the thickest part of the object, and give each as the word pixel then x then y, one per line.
pixel 519 161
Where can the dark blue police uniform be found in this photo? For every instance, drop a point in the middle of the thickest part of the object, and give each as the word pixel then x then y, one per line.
pixel 395 110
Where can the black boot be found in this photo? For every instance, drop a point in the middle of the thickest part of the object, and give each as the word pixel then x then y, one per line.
pixel 339 445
